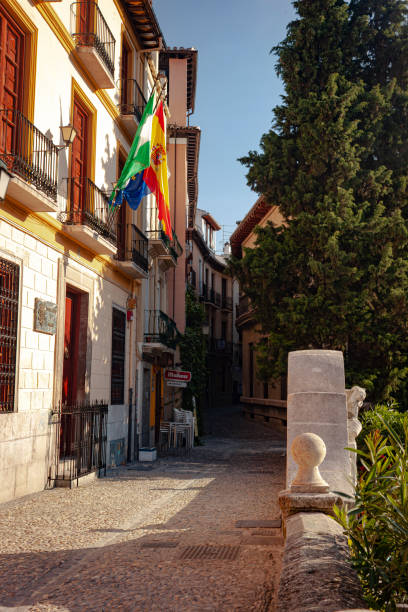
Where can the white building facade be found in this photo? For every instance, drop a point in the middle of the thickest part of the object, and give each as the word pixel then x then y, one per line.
pixel 74 273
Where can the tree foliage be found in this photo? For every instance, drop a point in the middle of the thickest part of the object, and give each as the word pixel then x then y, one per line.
pixel 193 350
pixel 335 273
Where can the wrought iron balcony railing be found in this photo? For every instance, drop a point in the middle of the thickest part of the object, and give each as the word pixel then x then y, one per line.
pixel 226 302
pixel 244 306
pixel 88 205
pixel 209 295
pixel 160 328
pixel 134 247
pixel 27 152
pixel 203 292
pixel 175 247
pixel 132 100
pixel 89 29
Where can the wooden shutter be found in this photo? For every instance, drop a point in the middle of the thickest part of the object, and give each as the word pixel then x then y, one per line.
pixel 79 157
pixel 11 77
pixel 118 357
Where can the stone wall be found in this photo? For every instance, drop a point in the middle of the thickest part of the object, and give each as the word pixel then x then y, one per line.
pixel 316 571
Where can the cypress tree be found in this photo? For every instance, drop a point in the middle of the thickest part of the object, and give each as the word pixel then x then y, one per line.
pixel 335 274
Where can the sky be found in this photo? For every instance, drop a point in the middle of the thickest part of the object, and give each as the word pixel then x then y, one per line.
pixel 237 88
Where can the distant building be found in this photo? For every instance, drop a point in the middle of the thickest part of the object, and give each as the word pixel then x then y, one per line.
pixel 206 273
pixel 259 398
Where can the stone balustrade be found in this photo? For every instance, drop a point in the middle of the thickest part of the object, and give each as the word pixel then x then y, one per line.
pixel 321 423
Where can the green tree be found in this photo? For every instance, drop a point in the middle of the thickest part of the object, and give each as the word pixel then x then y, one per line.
pixel 335 274
pixel 193 351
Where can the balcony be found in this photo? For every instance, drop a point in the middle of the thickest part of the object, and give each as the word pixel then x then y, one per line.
pixel 94 42
pixel 160 330
pixel 33 159
pixel 243 311
pixel 210 296
pixel 132 256
pixel 174 250
pixel 226 302
pixel 88 216
pixel 132 103
pixel 220 346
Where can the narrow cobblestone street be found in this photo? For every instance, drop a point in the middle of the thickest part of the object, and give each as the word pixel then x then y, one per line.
pixel 130 540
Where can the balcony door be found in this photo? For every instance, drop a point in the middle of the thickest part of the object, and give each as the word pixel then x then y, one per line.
pixel 79 162
pixel 85 22
pixel 11 77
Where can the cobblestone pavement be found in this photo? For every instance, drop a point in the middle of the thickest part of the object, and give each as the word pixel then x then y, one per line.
pixel 122 542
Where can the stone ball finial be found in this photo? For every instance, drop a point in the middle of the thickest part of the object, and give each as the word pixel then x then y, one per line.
pixel 308 451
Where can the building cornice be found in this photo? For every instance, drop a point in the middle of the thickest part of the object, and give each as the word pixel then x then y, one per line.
pixel 246 226
pixel 145 24
pixel 207 254
pixel 193 136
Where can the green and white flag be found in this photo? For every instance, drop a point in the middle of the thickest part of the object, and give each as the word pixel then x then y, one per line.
pixel 139 154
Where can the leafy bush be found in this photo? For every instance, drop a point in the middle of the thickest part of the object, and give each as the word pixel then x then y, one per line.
pixel 375 420
pixel 193 352
pixel 377 525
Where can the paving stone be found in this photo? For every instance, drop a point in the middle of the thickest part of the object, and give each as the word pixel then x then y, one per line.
pixel 115 545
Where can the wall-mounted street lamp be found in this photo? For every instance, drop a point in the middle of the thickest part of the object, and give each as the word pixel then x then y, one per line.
pixel 68 133
pixel 5 177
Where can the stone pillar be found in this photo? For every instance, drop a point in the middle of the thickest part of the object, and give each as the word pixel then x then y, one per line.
pixel 317 404
pixel 308 491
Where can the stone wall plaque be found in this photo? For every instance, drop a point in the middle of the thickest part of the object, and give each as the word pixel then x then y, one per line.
pixel 45 316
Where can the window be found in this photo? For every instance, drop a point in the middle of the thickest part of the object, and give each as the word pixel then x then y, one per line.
pixel 118 357
pixel 126 73
pixel 9 290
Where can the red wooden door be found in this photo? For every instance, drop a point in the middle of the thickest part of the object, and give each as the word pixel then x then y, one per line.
pixel 69 376
pixel 11 76
pixel 79 162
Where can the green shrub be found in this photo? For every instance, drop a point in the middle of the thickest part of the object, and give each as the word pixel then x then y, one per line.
pixel 377 525
pixel 377 418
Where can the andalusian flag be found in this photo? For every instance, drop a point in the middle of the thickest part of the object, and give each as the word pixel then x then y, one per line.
pixel 145 170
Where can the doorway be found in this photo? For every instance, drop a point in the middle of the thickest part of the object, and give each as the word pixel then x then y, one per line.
pixel 71 342
pixel 146 408
pixel 158 405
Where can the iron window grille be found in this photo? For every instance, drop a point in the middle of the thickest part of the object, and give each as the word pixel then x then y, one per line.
pixel 9 292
